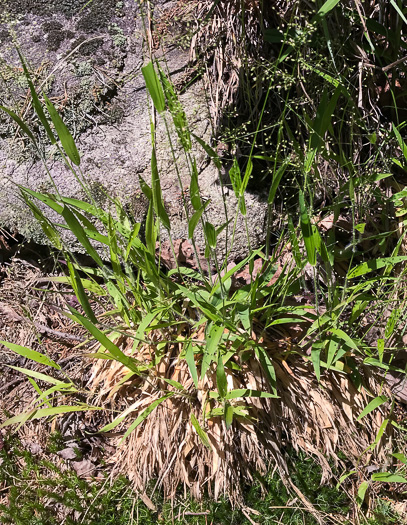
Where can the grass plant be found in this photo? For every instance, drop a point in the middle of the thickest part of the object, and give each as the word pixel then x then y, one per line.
pixel 206 380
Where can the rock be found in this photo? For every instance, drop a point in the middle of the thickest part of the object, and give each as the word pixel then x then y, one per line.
pixel 87 57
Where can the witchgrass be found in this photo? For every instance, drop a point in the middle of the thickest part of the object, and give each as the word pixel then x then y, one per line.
pixel 184 352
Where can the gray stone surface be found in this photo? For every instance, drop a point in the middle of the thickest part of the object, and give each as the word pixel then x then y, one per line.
pixel 99 89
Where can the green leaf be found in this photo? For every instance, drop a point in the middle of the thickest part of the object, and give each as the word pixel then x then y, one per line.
pixel 36 102
pixel 307 231
pixel 221 381
pixel 374 265
pixel 400 457
pixel 276 181
pixel 376 402
pixel 326 8
pixel 212 154
pixel 145 414
pixel 105 341
pixel 210 234
pixel 387 477
pixel 157 194
pixel 47 412
pixel 316 359
pixel 214 332
pixel 37 375
pixel 190 359
pixel 64 135
pixel 267 366
pixel 235 177
pixel 362 492
pixel 194 189
pixel 247 392
pixel 20 123
pixel 201 433
pixel 228 415
pixel 193 221
pixel 154 87
pixel 33 355
pixel 77 229
pixel 79 290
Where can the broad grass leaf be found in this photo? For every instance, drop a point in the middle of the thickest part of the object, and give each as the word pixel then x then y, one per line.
pixel 399 11
pixel 157 194
pixel 316 359
pixel 36 375
pixel 20 123
pixel 307 232
pixel 105 341
pixel 33 355
pixel 47 227
pixel 63 132
pixel 46 199
pixel 145 414
pixel 400 457
pixel 212 154
pixel 77 229
pixel 345 337
pixel 193 221
pixel 221 381
pixel 190 360
pixel 210 234
pixel 267 366
pixel 247 175
pixel 194 188
pixel 200 431
pixel 228 415
pixel 388 477
pixel 214 332
pixel 276 181
pixel 154 87
pixel 47 412
pixel 235 177
pixel 79 290
pixel 327 7
pixel 247 392
pixel 376 402
pixel 362 492
pixel 36 102
pixel 376 264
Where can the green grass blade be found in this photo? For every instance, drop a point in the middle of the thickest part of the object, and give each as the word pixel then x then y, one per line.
pixel 211 153
pixel 235 177
pixel 374 265
pixel 247 392
pixel 63 132
pixel 267 366
pixel 201 433
pixel 214 332
pixel 145 414
pixel 36 101
pixel 33 355
pixel 154 87
pixel 193 221
pixel 376 402
pixel 20 123
pixel 276 181
pixel 79 290
pixel 194 189
pixel 221 381
pixel 47 412
pixel 307 232
pixel 105 341
pixel 157 194
pixel 190 359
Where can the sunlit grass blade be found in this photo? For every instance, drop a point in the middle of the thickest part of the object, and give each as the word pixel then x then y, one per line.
pixel 214 332
pixel 20 123
pixel 63 132
pixel 33 355
pixel 47 412
pixel 79 290
pixel 154 87
pixel 145 414
pixel 201 433
pixel 307 232
pixel 36 102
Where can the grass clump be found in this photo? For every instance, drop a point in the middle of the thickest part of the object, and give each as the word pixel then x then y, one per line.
pixel 211 370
